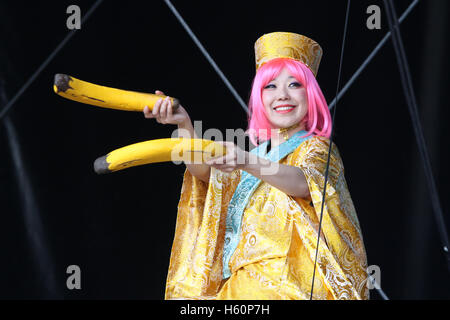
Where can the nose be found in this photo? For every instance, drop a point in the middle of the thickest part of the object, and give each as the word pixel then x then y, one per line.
pixel 283 94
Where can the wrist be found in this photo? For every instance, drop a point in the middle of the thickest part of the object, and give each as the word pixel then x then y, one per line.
pixel 185 124
pixel 185 129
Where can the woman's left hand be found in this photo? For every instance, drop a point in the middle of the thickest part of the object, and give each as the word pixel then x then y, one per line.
pixel 234 159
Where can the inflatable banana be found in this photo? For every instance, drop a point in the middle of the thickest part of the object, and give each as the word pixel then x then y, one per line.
pixel 89 93
pixel 160 150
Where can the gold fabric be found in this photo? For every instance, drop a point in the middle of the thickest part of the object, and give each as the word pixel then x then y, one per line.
pixel 275 255
pixel 288 45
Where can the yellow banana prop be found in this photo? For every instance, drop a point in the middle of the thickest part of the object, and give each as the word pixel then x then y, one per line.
pixel 160 150
pixel 89 93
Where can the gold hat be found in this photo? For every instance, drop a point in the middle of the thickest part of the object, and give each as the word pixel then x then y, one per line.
pixel 288 45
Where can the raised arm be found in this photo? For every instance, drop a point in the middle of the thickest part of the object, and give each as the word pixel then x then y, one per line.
pixel 163 113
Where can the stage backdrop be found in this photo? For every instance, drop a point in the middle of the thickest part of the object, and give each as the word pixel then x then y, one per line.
pixel 118 228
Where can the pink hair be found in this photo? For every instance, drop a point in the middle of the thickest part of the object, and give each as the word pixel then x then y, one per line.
pixel 318 118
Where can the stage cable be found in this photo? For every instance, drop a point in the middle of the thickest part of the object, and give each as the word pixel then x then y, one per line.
pixel 341 59
pixel 370 57
pixel 11 103
pixel 207 56
pixel 37 241
pixel 408 91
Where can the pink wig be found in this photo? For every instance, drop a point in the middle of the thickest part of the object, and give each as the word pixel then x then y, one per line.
pixel 317 120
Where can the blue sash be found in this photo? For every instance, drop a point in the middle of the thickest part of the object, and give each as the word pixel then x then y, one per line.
pixel 247 185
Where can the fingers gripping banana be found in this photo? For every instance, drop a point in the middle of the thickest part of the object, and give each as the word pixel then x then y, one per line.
pixel 160 150
pixel 89 93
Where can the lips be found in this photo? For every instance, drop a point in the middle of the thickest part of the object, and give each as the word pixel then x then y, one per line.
pixel 285 108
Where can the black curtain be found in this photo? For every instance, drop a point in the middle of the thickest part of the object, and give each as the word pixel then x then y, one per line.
pixel 118 228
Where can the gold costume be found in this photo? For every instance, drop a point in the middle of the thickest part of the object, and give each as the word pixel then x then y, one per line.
pixel 274 258
pixel 240 238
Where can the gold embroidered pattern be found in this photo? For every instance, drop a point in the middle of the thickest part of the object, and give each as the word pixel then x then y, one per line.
pixel 274 258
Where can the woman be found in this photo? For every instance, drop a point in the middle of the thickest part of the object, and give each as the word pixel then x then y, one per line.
pixel 248 229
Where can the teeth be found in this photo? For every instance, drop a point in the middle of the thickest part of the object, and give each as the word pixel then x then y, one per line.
pixel 284 108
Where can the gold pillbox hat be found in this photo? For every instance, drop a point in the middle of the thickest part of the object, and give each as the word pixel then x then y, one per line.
pixel 288 45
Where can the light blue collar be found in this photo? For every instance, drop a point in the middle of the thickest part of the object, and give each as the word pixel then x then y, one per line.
pixel 247 185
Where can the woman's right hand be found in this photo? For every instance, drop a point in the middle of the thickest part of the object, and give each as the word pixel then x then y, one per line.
pixel 163 112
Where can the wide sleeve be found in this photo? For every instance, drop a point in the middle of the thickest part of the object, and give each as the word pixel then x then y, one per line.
pixel 195 267
pixel 341 262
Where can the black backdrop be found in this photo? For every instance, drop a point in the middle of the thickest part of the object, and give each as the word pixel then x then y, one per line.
pixel 118 228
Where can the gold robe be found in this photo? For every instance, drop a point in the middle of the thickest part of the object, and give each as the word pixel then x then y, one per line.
pixel 275 255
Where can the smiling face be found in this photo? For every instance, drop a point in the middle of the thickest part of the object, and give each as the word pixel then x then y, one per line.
pixel 284 100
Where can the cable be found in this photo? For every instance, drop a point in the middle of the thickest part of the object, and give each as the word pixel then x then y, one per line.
pixel 370 57
pixel 341 59
pixel 413 110
pixel 206 54
pixel 46 62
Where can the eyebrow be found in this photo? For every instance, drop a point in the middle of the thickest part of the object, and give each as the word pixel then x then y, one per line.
pixel 290 77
